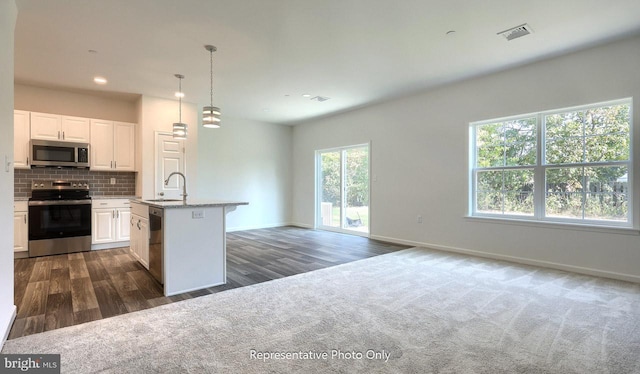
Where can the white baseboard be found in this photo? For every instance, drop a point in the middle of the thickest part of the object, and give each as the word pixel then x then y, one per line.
pixel 520 260
pixel 97 247
pixel 302 225
pixel 6 326
pixel 267 226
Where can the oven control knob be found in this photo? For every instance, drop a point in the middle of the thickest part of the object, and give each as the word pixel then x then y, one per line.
pixel 75 185
pixel 86 185
pixel 41 184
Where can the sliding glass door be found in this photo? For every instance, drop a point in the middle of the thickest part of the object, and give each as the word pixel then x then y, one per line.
pixel 342 197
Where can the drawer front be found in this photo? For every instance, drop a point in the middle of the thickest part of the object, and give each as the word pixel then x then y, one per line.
pixel 141 210
pixel 110 203
pixel 20 206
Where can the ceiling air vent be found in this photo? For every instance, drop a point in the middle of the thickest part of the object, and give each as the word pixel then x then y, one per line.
pixel 319 98
pixel 516 32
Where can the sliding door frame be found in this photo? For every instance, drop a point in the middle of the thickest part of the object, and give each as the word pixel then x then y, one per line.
pixel 318 190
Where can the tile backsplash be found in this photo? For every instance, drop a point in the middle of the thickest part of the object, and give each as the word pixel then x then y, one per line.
pixel 99 181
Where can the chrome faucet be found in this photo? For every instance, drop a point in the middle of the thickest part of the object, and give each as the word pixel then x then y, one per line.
pixel 184 184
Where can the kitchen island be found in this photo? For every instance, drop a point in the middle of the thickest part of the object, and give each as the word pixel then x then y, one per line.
pixel 186 242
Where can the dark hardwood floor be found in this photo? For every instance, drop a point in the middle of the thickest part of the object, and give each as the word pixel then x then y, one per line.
pixel 63 290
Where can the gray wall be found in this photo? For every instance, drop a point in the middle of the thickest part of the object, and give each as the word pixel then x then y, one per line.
pixel 419 159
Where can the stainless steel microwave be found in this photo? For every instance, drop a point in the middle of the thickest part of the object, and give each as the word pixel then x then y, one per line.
pixel 59 154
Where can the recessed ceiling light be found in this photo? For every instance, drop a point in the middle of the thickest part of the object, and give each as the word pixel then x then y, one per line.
pixel 179 94
pixel 306 95
pixel 100 80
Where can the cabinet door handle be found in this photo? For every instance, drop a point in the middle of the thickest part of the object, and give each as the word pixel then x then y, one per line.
pixel 131 221
pixel 113 214
pixel 117 214
pixel 25 218
pixel 63 135
pixel 139 228
pixel 27 160
pixel 58 134
pixel 115 164
pixel 111 165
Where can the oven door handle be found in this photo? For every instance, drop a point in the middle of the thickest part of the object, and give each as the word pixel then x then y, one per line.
pixel 60 202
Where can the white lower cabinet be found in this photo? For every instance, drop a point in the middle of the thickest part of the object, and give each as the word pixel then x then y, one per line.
pixel 140 239
pixel 139 225
pixel 110 223
pixel 20 227
pixel 140 233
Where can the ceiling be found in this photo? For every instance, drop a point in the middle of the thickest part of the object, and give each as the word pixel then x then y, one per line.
pixel 271 52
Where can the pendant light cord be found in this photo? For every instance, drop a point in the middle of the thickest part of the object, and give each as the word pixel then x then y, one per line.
pixel 180 100
pixel 211 52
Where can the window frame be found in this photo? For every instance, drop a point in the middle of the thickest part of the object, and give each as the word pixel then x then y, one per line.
pixel 540 168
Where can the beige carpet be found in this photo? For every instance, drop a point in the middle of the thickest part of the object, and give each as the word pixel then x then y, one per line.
pixel 430 311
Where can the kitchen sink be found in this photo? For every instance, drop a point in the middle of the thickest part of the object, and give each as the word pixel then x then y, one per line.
pixel 162 200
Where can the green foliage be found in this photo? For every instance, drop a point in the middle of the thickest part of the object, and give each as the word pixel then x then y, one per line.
pixel 599 134
pixel 357 176
pixel 585 192
pixel 510 143
pixel 330 163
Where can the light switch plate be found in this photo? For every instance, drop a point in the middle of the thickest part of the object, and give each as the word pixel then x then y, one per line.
pixel 113 181
pixel 197 214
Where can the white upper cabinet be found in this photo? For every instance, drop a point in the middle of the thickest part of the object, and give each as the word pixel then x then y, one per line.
pixel 101 145
pixel 112 146
pixel 47 126
pixel 75 129
pixel 21 134
pixel 124 135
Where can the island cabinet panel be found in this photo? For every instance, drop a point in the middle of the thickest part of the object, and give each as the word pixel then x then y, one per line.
pixel 194 248
pixel 140 239
pixel 139 228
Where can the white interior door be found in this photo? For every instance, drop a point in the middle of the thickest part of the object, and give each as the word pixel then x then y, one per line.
pixel 169 158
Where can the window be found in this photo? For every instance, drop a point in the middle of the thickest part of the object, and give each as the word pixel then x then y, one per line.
pixel 570 165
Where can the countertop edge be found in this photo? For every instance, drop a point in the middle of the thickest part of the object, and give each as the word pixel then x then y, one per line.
pixel 189 204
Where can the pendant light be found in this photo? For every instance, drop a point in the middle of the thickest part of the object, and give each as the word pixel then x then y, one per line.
pixel 179 128
pixel 211 114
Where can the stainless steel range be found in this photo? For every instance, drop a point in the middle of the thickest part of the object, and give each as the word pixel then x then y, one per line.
pixel 59 217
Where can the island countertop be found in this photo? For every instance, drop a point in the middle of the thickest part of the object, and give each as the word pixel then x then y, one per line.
pixel 191 203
